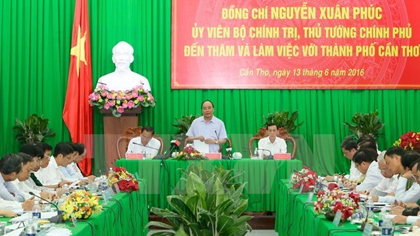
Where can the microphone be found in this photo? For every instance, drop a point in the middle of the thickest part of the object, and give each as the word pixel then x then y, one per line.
pixel 174 146
pixel 55 219
pixel 146 146
pixel 269 157
pixel 101 83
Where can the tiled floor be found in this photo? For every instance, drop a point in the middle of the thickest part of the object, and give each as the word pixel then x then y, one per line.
pixel 257 232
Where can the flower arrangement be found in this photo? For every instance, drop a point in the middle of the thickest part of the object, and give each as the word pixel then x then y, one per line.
pixel 329 202
pixel 125 181
pixel 408 140
pixel 80 203
pixel 119 101
pixel 189 153
pixel 305 178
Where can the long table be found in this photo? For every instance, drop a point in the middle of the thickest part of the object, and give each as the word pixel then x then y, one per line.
pixel 296 216
pixel 163 177
pixel 125 214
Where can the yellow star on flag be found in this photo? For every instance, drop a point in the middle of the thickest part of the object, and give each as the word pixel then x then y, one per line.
pixel 79 50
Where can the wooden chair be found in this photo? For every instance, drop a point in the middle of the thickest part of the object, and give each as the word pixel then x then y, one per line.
pixel 124 140
pixel 282 135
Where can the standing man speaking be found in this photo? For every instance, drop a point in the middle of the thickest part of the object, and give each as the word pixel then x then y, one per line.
pixel 208 128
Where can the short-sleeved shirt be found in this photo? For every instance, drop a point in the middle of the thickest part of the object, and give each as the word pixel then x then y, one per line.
pixel 151 148
pixel 214 129
pixel 278 146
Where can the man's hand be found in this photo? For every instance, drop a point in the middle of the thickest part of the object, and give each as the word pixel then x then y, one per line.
pixel 329 178
pixel 28 204
pixel 7 213
pixel 397 210
pixel 201 138
pixel 62 183
pixel 400 220
pixel 210 141
pixel 91 178
pixel 46 195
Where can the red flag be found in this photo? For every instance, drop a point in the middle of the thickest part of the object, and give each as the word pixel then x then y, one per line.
pixel 77 113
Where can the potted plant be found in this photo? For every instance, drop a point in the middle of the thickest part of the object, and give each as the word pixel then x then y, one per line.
pixel 183 125
pixel 284 122
pixel 365 123
pixel 33 130
pixel 211 205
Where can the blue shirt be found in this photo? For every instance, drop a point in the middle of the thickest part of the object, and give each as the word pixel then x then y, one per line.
pixel 8 191
pixel 214 129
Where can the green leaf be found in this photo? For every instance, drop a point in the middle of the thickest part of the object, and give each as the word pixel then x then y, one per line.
pixel 242 205
pixel 194 183
pixel 158 224
pixel 218 191
pixel 180 232
pixel 181 208
pixel 223 223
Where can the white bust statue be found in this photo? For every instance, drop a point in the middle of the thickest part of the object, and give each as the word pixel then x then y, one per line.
pixel 123 78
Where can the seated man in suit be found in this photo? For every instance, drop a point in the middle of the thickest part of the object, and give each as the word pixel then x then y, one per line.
pixel 145 143
pixel 272 143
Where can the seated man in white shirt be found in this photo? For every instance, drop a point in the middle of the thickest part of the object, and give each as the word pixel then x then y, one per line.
pixel 51 175
pixel 28 167
pixel 415 175
pixel 10 167
pixel 72 170
pixel 400 162
pixel 349 148
pixel 272 144
pixel 41 153
pixel 145 143
pixel 365 161
pixel 389 183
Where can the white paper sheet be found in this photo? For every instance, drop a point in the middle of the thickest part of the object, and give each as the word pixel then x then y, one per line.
pixel 201 146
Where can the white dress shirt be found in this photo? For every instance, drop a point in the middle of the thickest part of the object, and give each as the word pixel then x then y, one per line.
pixel 410 195
pixel 387 185
pixel 278 146
pixel 355 174
pixel 8 191
pixel 136 146
pixel 51 175
pixel 25 189
pixel 373 177
pixel 10 205
pixel 71 171
pixel 214 129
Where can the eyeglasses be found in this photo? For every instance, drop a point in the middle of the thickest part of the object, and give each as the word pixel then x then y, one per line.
pixel 29 170
pixel 384 170
pixel 47 156
pixel 414 178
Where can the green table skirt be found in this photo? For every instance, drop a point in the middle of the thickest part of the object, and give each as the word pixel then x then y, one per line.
pixel 295 216
pixel 163 177
pixel 125 214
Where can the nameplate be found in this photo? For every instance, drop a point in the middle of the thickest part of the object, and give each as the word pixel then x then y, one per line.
pixel 73 219
pixel 337 218
pixel 310 196
pixel 368 230
pixel 214 156
pixel 134 156
pixel 282 156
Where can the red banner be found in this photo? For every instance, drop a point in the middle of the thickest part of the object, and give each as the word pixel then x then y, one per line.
pixel 295 44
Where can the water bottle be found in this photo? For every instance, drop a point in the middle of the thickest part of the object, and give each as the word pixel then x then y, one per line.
pixel 36 215
pixel 369 209
pixel 29 228
pixel 382 216
pixel 387 227
pixel 256 153
pixel 111 170
pixel 66 190
pixel 340 183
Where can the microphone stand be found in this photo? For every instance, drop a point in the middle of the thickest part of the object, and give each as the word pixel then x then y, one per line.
pixel 269 157
pixel 55 219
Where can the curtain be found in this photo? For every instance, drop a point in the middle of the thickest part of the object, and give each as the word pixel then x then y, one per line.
pixel 35 46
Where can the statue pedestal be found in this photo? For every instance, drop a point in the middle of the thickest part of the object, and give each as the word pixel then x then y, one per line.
pixel 114 127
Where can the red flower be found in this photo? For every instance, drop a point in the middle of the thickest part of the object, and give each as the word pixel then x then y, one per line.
pixel 332 186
